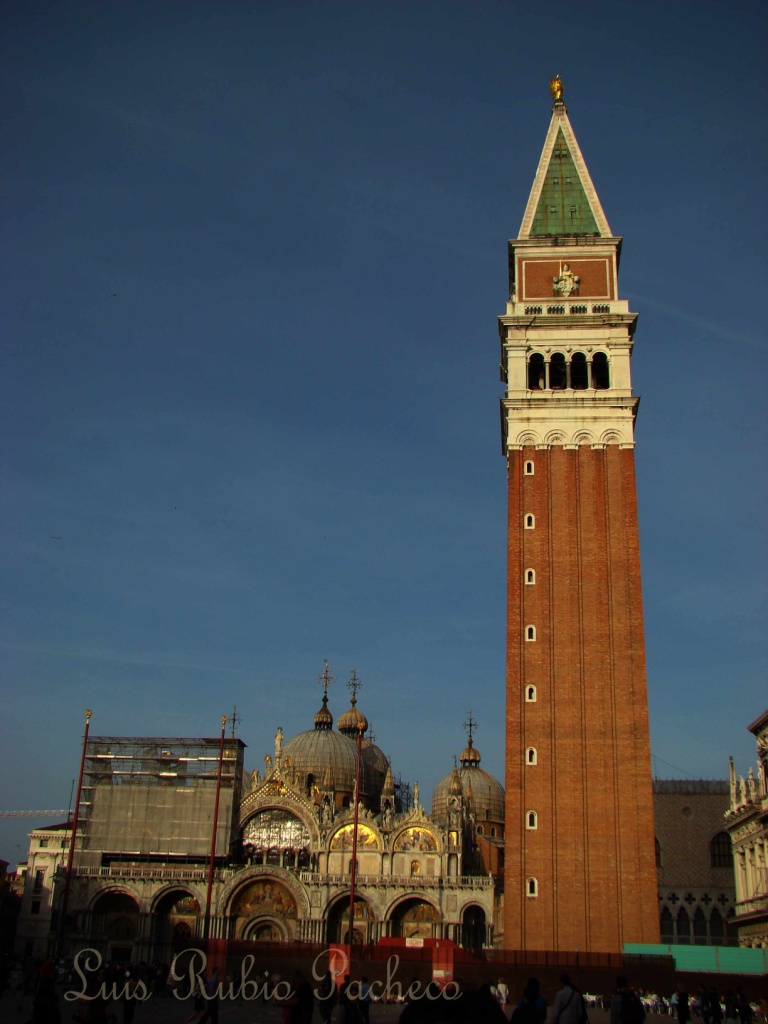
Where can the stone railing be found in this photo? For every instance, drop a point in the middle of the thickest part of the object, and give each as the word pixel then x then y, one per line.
pixel 401 881
pixel 162 872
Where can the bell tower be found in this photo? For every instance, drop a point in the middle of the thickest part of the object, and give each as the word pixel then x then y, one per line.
pixel 580 868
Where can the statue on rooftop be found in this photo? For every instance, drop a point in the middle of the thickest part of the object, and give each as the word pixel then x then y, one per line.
pixel 556 89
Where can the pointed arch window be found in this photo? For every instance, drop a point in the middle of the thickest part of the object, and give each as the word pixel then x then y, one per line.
pixel 531 820
pixel 683 927
pixel 531 888
pixel 530 694
pixel 531 757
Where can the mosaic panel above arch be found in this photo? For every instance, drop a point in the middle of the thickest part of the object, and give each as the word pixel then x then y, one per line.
pixel 265 897
pixel 416 839
pixel 366 838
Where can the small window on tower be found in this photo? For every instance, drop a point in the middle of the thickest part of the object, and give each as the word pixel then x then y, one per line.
pixel 530 694
pixel 529 469
pixel 530 632
pixel 530 577
pixel 531 820
pixel 530 756
pixel 553 209
pixel 530 522
pixel 531 888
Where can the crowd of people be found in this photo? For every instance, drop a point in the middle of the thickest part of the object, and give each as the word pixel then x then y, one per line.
pixel 112 993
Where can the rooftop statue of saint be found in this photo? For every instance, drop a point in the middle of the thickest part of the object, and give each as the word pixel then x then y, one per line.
pixel 556 89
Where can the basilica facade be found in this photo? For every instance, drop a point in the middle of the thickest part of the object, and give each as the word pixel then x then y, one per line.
pixel 285 835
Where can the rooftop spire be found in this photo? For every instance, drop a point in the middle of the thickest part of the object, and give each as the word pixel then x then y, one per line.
pixel 324 718
pixel 563 200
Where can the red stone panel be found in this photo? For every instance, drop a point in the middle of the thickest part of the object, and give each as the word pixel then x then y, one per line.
pixel 595 274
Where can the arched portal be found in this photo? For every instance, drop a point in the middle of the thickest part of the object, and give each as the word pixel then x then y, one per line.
pixel 174 924
pixel 265 906
pixel 114 926
pixel 473 928
pixel 337 930
pixel 415 918
pixel 265 930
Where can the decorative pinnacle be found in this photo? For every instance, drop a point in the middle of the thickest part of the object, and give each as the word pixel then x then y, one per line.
pixel 470 724
pixel 556 89
pixel 325 679
pixel 354 685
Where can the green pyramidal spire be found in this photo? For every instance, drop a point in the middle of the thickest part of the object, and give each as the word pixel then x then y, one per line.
pixel 563 207
pixel 563 200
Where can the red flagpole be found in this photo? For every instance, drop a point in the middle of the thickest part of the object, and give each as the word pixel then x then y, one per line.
pixel 353 872
pixel 73 838
pixel 213 836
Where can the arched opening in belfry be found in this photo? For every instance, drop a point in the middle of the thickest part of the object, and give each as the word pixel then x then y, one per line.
pixel 579 373
pixel 558 376
pixel 537 379
pixel 600 375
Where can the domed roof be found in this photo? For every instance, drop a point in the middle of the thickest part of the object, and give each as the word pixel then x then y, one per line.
pixel 330 756
pixel 377 761
pixel 485 792
pixel 315 751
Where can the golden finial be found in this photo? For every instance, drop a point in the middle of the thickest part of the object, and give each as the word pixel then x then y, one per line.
pixel 556 89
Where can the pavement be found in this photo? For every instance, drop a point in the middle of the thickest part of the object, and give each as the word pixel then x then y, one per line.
pixel 17 1009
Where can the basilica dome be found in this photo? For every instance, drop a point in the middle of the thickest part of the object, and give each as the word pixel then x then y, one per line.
pixel 484 792
pixel 325 758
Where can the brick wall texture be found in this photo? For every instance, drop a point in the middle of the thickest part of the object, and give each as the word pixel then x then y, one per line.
pixel 592 853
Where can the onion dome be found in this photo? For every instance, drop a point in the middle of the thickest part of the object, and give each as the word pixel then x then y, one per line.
pixel 324 718
pixel 352 721
pixel 469 756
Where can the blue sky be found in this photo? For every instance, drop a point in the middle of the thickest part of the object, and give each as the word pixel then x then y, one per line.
pixel 254 255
